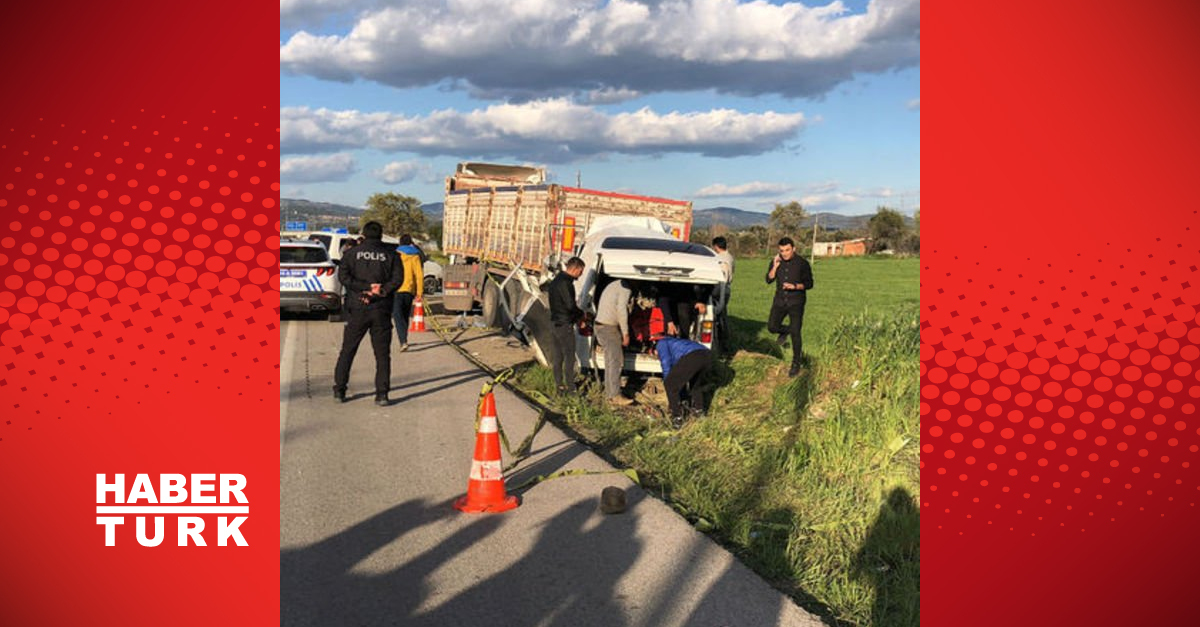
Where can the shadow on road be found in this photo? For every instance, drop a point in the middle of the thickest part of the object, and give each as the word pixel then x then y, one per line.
pixel 568 578
pixel 318 586
pixel 548 464
pixel 320 386
pixel 573 576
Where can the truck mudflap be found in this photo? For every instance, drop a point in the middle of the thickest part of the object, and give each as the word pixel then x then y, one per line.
pixel 456 288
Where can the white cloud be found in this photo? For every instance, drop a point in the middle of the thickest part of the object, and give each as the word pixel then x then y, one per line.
pixel 829 194
pixel 317 168
pixel 830 199
pixel 607 95
pixel 914 104
pixel 753 189
pixel 823 187
pixel 556 130
pixel 398 172
pixel 530 49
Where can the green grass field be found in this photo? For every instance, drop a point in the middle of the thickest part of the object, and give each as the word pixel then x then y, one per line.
pixel 813 481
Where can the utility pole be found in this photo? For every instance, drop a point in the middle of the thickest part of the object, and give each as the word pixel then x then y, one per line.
pixel 578 178
pixel 813 253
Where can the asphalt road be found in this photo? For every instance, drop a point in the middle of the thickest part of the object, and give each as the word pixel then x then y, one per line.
pixel 368 535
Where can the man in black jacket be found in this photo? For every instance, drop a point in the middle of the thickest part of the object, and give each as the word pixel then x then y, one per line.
pixel 792 277
pixel 371 274
pixel 565 315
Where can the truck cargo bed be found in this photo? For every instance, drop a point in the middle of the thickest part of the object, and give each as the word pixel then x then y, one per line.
pixel 530 225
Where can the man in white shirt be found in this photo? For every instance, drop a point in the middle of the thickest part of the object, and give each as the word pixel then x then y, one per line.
pixel 612 331
pixel 725 260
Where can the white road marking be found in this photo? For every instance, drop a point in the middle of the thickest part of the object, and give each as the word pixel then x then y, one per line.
pixel 285 380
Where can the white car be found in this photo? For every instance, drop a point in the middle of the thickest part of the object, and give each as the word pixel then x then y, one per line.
pixel 433 276
pixel 335 243
pixel 308 278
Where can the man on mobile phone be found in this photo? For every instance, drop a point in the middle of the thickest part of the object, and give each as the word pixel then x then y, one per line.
pixel 793 278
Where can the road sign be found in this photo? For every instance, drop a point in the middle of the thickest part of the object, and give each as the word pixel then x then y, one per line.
pixel 295 226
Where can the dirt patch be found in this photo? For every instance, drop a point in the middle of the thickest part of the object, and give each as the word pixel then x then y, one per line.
pixel 490 346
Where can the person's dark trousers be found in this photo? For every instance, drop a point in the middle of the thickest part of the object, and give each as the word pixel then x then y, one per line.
pixel 401 311
pixel 723 333
pixel 791 306
pixel 562 356
pixel 378 322
pixel 685 316
pixel 686 373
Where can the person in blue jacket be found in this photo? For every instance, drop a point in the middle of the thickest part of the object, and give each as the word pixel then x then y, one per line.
pixel 683 363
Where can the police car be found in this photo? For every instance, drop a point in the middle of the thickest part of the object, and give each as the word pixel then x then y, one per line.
pixel 308 278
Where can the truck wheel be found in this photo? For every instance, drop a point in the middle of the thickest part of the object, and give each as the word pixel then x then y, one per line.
pixel 491 304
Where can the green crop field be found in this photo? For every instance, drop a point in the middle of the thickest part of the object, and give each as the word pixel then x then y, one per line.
pixel 812 481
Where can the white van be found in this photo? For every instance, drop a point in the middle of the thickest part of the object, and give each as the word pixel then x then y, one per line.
pixel 642 252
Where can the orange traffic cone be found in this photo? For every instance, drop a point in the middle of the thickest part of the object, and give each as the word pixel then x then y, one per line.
pixel 485 488
pixel 417 324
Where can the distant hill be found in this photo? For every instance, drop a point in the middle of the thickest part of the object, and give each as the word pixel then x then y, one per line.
pixel 433 211
pixel 318 215
pixel 728 216
pixel 322 215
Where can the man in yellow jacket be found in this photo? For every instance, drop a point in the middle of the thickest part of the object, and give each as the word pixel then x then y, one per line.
pixel 412 287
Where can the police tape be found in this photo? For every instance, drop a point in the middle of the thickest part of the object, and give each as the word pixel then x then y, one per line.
pixel 535 398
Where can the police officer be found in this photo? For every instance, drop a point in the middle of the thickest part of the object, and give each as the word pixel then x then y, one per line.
pixel 793 278
pixel 371 274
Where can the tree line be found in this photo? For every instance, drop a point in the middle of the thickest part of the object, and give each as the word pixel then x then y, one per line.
pixel 886 231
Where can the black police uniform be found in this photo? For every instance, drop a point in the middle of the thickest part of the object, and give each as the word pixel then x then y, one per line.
pixel 370 262
pixel 790 303
pixel 564 315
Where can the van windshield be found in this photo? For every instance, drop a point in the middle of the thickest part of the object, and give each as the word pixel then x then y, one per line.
pixel 650 243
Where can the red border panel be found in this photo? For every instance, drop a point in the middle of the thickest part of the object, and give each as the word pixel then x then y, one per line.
pixel 138 324
pixel 1060 338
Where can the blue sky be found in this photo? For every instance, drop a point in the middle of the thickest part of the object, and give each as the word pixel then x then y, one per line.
pixel 716 101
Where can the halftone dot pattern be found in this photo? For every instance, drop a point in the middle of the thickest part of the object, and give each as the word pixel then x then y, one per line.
pixel 140 259
pixel 1061 398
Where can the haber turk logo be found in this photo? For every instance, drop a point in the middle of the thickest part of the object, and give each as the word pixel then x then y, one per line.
pixel 185 498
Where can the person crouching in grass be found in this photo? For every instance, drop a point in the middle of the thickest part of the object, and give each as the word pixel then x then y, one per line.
pixel 683 363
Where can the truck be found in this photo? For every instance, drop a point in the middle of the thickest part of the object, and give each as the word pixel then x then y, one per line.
pixel 507 231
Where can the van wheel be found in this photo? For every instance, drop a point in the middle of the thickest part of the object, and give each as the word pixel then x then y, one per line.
pixel 491 304
pixel 431 285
